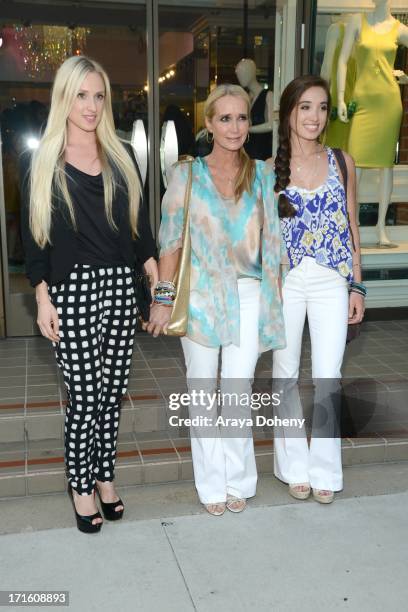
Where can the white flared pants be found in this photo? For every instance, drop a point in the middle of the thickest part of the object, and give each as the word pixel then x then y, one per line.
pixel 224 461
pixel 322 294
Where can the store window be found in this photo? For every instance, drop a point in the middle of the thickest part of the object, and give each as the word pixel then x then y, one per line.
pixel 330 26
pixel 200 46
pixel 163 58
pixel 29 57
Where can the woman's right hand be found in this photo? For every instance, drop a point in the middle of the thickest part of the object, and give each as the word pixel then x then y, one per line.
pixel 151 269
pixel 159 319
pixel 47 319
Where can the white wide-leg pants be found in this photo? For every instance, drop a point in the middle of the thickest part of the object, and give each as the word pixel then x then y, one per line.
pixel 223 462
pixel 322 294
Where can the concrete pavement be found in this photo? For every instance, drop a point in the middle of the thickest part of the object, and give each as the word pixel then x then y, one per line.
pixel 168 555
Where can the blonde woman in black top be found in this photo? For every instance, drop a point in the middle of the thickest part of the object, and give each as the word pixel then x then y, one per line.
pixel 85 228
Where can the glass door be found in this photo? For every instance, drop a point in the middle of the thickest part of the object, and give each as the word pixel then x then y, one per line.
pixel 285 52
pixel 200 46
pixel 30 54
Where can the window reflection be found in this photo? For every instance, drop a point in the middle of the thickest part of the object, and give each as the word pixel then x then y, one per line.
pixel 202 45
pixel 28 59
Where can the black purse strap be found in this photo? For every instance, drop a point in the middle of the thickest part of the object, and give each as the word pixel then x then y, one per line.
pixel 341 160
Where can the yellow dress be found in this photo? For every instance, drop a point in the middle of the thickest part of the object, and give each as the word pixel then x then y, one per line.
pixel 376 124
pixel 337 133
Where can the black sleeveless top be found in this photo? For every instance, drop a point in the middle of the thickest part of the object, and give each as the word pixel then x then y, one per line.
pixel 259 146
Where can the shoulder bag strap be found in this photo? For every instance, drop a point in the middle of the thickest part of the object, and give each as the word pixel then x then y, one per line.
pixel 338 153
pixel 341 160
pixel 179 316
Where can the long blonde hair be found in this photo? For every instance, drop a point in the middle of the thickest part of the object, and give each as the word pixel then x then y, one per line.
pixel 48 177
pixel 246 174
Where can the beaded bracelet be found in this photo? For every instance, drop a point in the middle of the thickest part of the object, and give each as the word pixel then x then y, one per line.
pixel 163 301
pixel 165 285
pixel 165 293
pixel 166 300
pixel 359 292
pixel 159 291
pixel 358 288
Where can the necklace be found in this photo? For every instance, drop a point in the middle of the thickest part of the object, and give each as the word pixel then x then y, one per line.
pixel 301 166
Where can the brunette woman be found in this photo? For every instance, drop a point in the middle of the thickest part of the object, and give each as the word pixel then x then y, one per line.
pixel 323 283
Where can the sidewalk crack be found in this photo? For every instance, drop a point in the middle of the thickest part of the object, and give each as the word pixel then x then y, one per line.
pixel 165 524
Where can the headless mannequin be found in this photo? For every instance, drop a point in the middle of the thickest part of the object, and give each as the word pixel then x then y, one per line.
pixel 246 75
pixel 337 133
pixel 381 21
pixel 332 38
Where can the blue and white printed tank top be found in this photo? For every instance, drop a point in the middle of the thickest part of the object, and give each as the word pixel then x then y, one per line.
pixel 320 228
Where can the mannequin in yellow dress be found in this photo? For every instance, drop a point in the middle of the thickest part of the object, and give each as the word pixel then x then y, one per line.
pixel 375 126
pixel 337 132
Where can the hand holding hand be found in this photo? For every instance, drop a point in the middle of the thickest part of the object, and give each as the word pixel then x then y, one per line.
pixel 151 269
pixel 158 320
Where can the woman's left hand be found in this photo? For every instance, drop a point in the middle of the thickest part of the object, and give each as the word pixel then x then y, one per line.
pixel 158 320
pixel 356 308
pixel 151 269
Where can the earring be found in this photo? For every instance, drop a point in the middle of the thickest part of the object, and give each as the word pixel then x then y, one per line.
pixel 247 138
pixel 209 139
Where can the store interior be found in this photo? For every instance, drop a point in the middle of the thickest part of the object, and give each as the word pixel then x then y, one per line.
pixel 196 47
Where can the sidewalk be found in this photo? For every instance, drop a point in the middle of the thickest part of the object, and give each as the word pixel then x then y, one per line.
pixel 279 555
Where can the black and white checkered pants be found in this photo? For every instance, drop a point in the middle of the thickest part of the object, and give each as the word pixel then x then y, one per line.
pixel 97 322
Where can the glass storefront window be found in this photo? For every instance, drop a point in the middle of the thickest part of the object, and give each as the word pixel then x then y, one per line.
pixel 29 57
pixel 163 59
pixel 209 41
pixel 329 14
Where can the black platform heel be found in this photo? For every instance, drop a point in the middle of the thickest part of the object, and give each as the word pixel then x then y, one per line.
pixel 84 522
pixel 109 509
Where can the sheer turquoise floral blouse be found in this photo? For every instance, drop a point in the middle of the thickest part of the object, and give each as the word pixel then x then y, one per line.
pixel 215 237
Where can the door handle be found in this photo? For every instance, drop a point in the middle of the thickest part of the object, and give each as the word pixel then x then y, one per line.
pixel 168 150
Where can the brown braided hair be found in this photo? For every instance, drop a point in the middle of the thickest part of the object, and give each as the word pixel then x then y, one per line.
pixel 289 99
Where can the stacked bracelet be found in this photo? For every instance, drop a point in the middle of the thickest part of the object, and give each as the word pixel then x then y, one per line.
pixel 165 293
pixel 164 285
pixel 358 288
